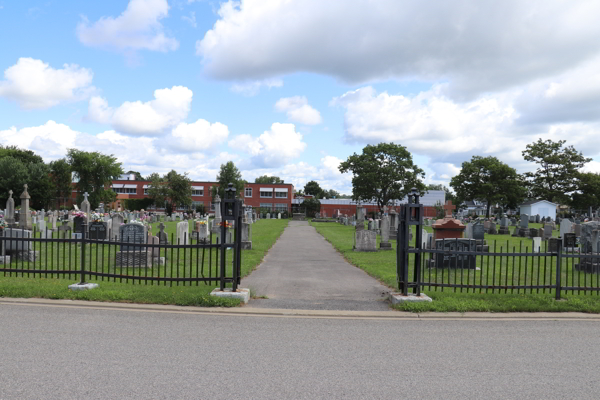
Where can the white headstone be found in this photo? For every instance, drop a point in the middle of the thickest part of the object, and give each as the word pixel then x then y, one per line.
pixel 183 235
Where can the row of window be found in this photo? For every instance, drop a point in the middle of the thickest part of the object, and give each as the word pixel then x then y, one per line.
pixel 278 206
pixel 126 190
pixel 247 193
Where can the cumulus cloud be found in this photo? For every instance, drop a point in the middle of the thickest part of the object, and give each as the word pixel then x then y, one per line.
pixel 137 28
pixel 273 148
pixel 198 136
pixel 477 46
pixel 49 140
pixel 252 88
pixel 298 110
pixel 449 132
pixel 34 84
pixel 154 117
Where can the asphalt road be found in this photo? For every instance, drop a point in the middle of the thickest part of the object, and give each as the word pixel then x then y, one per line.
pixel 48 352
pixel 303 271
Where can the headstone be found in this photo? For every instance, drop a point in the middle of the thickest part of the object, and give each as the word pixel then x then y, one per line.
pixel 537 218
pixel 524 221
pixel 246 236
pixel 183 235
pixel 366 240
pixel 590 237
pixel 132 233
pixel 278 215
pixel 537 243
pixel 553 245
pixel 117 221
pixel 155 251
pixel 469 231
pixel 268 215
pixel 78 224
pixel 569 240
pixel 547 231
pixel 453 260
pixel 217 220
pixel 478 231
pixel 492 230
pixel 577 230
pixel 385 234
pixel 9 215
pixel 98 230
pixel 25 215
pixel 486 226
pixel 424 239
pixel 162 236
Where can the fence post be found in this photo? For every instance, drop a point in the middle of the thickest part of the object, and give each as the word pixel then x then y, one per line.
pixel 558 270
pixel 83 238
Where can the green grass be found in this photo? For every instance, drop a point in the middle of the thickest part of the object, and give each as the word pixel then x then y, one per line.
pixel 55 257
pixel 493 270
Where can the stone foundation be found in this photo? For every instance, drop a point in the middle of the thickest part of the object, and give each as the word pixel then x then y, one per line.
pixel 133 259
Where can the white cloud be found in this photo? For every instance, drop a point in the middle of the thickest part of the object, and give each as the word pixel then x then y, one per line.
pixel 169 107
pixel 137 28
pixel 273 148
pixel 477 46
pixel 252 88
pixel 49 140
pixel 34 84
pixel 198 136
pixel 298 110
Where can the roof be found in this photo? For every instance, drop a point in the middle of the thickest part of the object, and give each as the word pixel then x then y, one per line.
pixel 531 202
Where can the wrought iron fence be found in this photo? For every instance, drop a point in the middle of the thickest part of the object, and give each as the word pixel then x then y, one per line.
pixel 187 261
pixel 465 265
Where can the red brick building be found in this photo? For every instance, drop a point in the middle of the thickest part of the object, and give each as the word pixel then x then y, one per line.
pixel 273 197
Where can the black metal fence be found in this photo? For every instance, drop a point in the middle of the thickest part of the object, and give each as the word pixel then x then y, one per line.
pixel 193 260
pixel 501 267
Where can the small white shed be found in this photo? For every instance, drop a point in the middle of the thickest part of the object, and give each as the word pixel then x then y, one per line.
pixel 543 207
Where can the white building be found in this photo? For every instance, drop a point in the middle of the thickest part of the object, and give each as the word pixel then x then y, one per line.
pixel 542 207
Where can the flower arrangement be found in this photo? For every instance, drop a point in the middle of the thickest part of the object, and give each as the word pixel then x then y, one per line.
pixel 79 214
pixel 96 217
pixel 3 224
pixel 201 221
pixel 227 224
pixel 135 221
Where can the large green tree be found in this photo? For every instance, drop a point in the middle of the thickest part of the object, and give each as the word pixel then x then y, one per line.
pixel 94 173
pixel 40 186
pixel 60 173
pixel 313 188
pixel 488 179
pixel 268 180
pixel 171 190
pixel 557 174
pixel 13 175
pixel 383 172
pixel 588 191
pixel 229 173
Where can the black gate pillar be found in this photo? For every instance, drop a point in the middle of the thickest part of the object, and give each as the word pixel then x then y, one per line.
pixel 231 214
pixel 410 214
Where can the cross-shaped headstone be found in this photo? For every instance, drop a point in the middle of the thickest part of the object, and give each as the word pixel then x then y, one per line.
pixel 161 226
pixel 449 207
pixel 25 186
pixel 85 196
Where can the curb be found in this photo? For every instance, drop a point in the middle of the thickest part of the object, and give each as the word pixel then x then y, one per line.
pixel 269 312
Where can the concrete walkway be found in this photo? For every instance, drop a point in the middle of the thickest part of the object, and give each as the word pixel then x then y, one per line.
pixel 304 271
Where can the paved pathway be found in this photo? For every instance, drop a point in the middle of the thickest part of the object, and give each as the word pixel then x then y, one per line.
pixel 304 271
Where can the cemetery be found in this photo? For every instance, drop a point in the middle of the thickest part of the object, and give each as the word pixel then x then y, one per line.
pixel 130 247
pixel 477 255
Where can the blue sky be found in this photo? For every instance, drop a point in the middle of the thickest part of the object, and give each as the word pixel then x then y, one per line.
pixel 293 88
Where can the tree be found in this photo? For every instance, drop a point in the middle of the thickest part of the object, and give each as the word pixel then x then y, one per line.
pixel 268 180
pixel 40 186
pixel 383 172
pixel 314 189
pixel 25 156
pixel 330 194
pixel 13 175
pixel 558 172
pixel 229 174
pixel 488 179
pixel 60 173
pixel 171 190
pixel 180 188
pixel 94 173
pixel 588 192
pixel 312 206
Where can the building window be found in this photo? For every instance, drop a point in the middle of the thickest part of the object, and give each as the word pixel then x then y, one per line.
pixel 266 206
pixel 281 207
pixel 197 192
pixel 248 192
pixel 125 190
pixel 281 195
pixel 146 191
pixel 266 194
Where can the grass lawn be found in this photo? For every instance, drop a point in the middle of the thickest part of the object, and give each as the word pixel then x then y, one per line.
pixel 493 270
pixel 55 257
